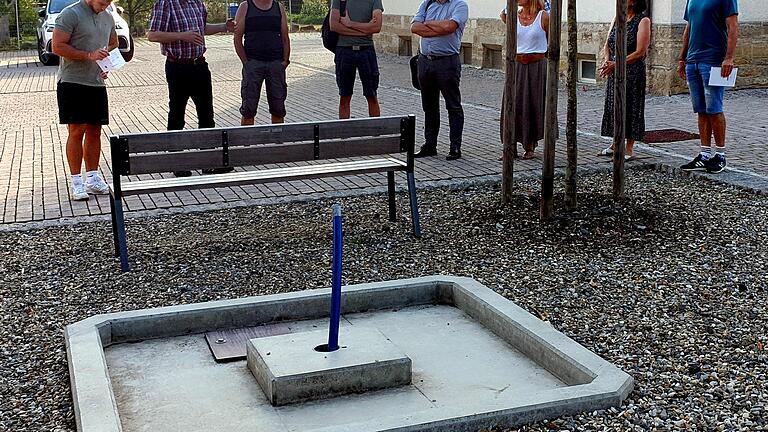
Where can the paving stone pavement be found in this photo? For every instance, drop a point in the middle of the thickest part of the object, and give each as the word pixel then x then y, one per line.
pixel 34 177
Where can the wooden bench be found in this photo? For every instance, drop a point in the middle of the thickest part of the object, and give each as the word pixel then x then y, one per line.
pixel 354 140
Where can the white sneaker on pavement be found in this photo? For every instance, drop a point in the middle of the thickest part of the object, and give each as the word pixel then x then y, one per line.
pixel 79 193
pixel 95 185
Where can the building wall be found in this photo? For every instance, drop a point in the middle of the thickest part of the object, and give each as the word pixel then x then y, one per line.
pixel 484 38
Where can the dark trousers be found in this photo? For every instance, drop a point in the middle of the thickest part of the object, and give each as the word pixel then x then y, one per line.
pixel 189 81
pixel 436 76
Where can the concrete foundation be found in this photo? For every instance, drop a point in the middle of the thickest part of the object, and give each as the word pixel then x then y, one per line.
pixel 478 361
pixel 290 369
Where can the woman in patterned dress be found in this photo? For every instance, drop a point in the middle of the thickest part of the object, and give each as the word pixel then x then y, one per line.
pixel 638 39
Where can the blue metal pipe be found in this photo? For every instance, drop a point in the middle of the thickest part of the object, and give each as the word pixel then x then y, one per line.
pixel 333 331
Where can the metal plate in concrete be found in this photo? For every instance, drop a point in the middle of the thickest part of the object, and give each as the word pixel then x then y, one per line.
pixel 229 345
pixel 478 361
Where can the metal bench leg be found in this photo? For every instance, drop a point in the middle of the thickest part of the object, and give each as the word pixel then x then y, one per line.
pixel 391 190
pixel 114 224
pixel 414 206
pixel 122 245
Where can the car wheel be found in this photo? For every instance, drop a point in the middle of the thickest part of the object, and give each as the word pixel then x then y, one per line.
pixel 128 55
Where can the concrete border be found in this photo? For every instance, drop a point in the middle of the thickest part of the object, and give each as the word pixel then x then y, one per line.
pixel 593 383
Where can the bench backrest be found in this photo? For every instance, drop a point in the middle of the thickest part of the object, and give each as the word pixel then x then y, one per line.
pixel 157 152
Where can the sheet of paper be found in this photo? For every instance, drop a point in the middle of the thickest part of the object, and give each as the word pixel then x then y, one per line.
pixel 718 81
pixel 114 62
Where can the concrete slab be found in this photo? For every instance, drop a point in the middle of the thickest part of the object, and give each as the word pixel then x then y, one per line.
pixel 289 369
pixel 478 361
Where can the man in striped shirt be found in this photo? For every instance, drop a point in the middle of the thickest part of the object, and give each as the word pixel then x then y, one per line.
pixel 180 27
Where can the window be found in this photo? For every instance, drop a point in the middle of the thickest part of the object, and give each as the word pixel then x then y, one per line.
pixel 466 53
pixel 588 71
pixel 492 58
pixel 404 47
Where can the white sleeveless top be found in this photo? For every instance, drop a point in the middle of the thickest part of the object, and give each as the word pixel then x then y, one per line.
pixel 531 39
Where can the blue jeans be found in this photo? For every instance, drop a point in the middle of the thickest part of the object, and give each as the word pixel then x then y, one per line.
pixel 706 99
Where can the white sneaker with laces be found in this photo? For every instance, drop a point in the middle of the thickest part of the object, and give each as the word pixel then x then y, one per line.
pixel 96 186
pixel 79 193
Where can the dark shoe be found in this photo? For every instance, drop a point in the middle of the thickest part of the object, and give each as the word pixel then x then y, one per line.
pixel 715 164
pixel 426 151
pixel 182 173
pixel 453 155
pixel 217 170
pixel 697 164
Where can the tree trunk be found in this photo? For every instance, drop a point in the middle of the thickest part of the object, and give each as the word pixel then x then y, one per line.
pixel 550 116
pixel 620 100
pixel 508 108
pixel 572 122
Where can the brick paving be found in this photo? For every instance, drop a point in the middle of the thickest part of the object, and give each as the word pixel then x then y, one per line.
pixel 34 180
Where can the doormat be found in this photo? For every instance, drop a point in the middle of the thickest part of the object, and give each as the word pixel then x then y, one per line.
pixel 668 136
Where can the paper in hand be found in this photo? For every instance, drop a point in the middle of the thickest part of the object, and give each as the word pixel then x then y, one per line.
pixel 115 61
pixel 716 79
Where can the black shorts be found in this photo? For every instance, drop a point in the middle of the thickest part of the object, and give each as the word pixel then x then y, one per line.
pixel 350 61
pixel 82 104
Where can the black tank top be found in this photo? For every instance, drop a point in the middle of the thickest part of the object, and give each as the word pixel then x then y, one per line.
pixel 263 37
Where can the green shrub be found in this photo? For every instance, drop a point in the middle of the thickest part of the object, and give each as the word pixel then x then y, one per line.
pixel 314 8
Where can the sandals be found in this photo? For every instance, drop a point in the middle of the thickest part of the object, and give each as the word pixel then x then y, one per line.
pixel 528 155
pixel 606 152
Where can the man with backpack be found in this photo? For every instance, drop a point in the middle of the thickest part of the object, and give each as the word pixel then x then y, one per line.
pixel 356 21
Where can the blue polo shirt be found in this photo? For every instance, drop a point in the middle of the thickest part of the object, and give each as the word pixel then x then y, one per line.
pixel 456 10
pixel 707 29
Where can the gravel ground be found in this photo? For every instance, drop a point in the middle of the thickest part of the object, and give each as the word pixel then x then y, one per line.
pixel 670 286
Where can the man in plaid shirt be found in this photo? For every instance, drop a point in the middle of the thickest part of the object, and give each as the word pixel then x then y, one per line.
pixel 180 28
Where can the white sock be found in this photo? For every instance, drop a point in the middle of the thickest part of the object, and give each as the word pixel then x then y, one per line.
pixel 77 180
pixel 720 151
pixel 706 152
pixel 89 175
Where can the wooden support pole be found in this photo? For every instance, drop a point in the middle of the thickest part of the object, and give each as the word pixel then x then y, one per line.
pixel 620 100
pixel 572 122
pixel 550 116
pixel 508 108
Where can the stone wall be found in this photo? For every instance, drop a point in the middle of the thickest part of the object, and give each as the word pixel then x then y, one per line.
pixel 483 46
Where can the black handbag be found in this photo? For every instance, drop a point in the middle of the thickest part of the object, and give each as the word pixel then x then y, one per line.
pixel 331 38
pixel 414 62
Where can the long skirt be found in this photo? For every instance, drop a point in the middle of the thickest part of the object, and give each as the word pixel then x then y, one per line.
pixel 530 83
pixel 635 128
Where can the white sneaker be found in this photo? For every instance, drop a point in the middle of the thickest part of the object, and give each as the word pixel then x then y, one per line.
pixel 79 193
pixel 96 186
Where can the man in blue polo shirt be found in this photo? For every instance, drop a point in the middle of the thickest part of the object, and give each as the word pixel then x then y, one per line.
pixel 709 40
pixel 440 23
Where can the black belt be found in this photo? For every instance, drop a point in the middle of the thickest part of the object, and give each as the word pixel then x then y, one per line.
pixel 195 61
pixel 437 57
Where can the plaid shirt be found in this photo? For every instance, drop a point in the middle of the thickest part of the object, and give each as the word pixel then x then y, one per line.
pixel 179 16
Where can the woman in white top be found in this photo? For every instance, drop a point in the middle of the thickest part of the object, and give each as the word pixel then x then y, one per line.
pixel 532 43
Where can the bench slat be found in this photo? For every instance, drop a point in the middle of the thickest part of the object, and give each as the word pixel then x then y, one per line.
pixel 151 163
pixel 262 176
pixel 261 134
pixel 359 147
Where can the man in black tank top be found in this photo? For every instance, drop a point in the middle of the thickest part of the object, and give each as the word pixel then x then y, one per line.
pixel 265 55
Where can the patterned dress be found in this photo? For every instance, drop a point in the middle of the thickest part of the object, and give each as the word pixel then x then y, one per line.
pixel 635 129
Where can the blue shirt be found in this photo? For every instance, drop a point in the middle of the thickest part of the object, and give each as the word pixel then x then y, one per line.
pixel 456 10
pixel 707 29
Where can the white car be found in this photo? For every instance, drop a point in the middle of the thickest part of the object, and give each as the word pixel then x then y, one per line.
pixel 48 20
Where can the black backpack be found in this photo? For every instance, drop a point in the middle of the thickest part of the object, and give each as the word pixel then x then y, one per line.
pixel 331 38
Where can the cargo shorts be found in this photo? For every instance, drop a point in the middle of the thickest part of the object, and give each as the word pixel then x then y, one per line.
pixel 255 73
